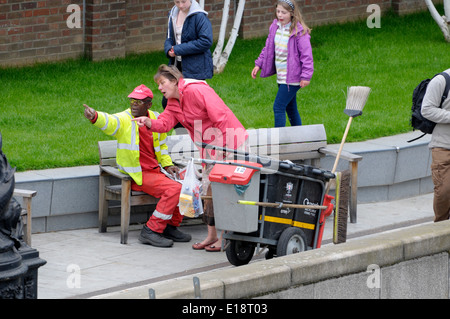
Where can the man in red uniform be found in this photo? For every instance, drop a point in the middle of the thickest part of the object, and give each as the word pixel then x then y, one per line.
pixel 140 153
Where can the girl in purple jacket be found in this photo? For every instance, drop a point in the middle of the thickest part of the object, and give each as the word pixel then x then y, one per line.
pixel 288 54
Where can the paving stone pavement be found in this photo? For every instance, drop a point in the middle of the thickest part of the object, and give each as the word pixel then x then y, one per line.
pixel 83 263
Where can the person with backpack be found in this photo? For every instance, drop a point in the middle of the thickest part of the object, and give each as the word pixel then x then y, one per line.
pixel 438 111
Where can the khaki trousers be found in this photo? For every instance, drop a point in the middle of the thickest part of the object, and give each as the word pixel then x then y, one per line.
pixel 440 172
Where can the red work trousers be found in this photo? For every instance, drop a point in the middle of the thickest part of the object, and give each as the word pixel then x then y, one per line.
pixel 160 186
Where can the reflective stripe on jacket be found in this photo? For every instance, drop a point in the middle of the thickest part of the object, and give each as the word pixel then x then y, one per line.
pixel 126 132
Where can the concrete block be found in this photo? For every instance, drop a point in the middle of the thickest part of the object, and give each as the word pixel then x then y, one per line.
pixel 371 194
pixel 413 263
pixel 327 162
pixel 403 189
pixel 39 225
pixel 70 172
pixel 338 260
pixel 401 140
pixel 55 191
pixel 71 221
pixel 237 282
pixel 430 160
pixel 424 278
pixel 347 287
pixel 377 168
pixel 299 292
pixel 179 288
pixel 252 279
pixel 427 240
pixel 75 195
pixel 412 163
pixel 426 185
pixel 40 205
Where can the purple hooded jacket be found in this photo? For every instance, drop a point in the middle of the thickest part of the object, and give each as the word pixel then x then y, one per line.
pixel 300 64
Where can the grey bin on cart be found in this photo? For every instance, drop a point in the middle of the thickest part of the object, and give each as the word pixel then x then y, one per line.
pixel 228 214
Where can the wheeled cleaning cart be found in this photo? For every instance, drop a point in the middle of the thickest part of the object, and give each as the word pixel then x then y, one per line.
pixel 282 209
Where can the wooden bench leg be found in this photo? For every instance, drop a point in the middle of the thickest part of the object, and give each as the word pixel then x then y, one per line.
pixel 27 226
pixel 354 192
pixel 125 211
pixel 26 195
pixel 102 207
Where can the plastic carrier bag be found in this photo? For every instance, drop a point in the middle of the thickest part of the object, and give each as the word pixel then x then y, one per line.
pixel 190 203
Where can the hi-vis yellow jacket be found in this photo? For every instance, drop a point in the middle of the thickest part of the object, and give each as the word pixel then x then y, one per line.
pixel 126 132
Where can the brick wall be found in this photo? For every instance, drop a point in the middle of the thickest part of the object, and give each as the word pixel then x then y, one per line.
pixel 38 31
pixel 146 23
pixel 105 29
pixel 405 7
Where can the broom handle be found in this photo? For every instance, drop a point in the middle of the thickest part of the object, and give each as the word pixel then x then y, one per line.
pixel 340 150
pixel 280 205
pixel 276 205
pixel 342 144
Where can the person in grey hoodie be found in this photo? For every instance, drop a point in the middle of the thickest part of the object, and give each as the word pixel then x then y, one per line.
pixel 440 144
pixel 189 39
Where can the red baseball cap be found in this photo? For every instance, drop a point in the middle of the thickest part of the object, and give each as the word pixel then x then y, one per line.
pixel 141 92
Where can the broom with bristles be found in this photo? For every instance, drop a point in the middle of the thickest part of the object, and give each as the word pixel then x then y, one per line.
pixel 356 100
pixel 341 210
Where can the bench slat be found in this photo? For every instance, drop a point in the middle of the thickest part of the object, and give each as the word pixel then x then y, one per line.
pixel 284 135
pixel 107 149
pixel 114 172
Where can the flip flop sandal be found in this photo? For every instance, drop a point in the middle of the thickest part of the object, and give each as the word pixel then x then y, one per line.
pixel 213 248
pixel 200 246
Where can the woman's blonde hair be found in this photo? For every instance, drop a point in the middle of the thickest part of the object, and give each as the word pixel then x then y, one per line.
pixel 296 16
pixel 169 72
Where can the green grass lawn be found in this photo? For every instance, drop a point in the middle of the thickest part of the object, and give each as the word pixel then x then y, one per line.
pixel 41 109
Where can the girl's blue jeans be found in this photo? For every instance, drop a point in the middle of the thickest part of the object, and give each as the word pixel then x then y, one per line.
pixel 286 102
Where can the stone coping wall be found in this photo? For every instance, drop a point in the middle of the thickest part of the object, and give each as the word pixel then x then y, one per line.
pixel 407 263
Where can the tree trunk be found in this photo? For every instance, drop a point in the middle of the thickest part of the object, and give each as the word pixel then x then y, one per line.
pixel 223 28
pixel 444 21
pixel 219 66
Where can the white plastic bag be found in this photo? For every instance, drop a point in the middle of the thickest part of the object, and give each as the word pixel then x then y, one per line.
pixel 190 203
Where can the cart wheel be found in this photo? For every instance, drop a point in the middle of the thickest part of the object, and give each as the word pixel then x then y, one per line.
pixel 240 252
pixel 292 240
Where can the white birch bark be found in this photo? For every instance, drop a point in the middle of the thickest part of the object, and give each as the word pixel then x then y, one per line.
pixel 219 66
pixel 223 28
pixel 444 21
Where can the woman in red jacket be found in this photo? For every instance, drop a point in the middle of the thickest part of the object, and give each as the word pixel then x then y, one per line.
pixel 195 105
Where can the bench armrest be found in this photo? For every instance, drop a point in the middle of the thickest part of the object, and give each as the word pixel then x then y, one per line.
pixel 24 193
pixel 344 154
pixel 114 172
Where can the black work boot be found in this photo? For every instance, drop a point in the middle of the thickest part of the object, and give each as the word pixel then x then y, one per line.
pixel 150 237
pixel 173 233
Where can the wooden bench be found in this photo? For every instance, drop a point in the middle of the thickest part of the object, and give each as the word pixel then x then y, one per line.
pixel 27 196
pixel 299 143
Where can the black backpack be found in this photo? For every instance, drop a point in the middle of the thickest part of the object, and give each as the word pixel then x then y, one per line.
pixel 418 122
